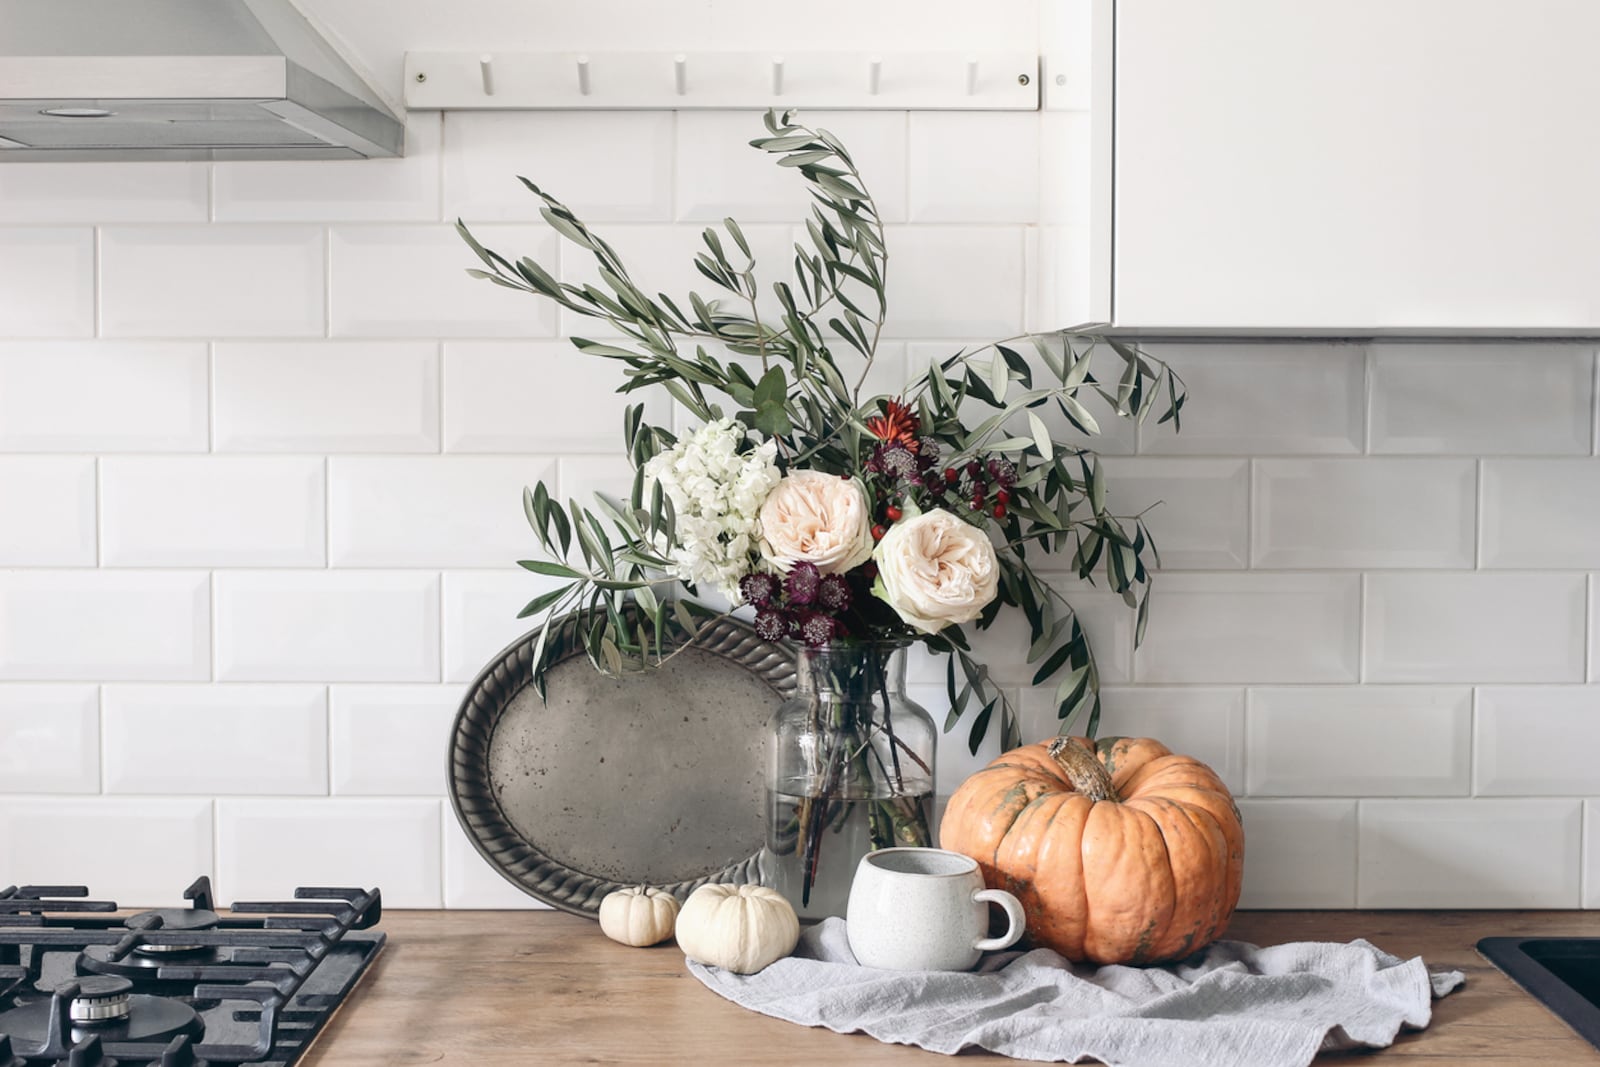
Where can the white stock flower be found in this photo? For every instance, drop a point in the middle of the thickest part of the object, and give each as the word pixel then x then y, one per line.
pixel 936 570
pixel 716 494
pixel 816 518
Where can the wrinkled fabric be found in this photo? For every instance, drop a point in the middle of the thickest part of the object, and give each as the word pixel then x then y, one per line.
pixel 1229 1005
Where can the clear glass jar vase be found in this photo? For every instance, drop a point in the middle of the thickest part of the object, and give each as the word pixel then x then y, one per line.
pixel 850 771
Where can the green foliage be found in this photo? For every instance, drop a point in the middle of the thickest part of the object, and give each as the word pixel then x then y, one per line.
pixel 831 312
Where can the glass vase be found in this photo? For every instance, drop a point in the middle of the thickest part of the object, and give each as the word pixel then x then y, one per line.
pixel 851 770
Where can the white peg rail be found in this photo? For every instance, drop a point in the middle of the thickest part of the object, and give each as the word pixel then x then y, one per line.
pixel 940 81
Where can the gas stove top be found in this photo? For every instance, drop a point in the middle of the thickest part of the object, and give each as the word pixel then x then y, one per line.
pixel 176 987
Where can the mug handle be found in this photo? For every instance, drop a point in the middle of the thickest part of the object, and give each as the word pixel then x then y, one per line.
pixel 1018 920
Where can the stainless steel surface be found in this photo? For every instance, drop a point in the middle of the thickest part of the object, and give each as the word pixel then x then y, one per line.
pixel 657 777
pixel 181 79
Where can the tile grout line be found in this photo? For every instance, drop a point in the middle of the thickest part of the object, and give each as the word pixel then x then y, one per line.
pixel 1368 358
pixel 1594 402
pixel 327 731
pixel 1588 627
pixel 1477 515
pixel 1361 631
pixel 98 280
pixel 1472 742
pixel 440 407
pixel 100 722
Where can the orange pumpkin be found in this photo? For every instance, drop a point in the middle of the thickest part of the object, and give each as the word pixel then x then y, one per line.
pixel 1120 851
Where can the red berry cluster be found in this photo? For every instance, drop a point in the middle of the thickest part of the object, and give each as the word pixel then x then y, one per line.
pixel 982 486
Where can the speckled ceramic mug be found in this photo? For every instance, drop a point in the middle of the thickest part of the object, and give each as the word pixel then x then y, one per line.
pixel 924 909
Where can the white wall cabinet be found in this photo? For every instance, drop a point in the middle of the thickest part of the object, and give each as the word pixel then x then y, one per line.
pixel 1352 166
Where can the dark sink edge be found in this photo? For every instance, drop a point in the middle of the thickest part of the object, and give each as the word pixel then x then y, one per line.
pixel 1511 959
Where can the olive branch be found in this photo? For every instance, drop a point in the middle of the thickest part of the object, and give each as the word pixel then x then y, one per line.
pixel 800 397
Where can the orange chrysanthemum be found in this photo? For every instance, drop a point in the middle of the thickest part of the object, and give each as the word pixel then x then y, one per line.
pixel 898 425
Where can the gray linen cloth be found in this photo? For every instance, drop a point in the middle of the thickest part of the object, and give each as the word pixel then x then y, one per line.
pixel 1229 1005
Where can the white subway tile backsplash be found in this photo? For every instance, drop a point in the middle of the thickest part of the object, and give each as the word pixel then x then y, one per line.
pixel 1307 741
pixel 139 852
pixel 391 740
pixel 967 166
pixel 1205 723
pixel 216 739
pixel 1469 853
pixel 573 156
pixel 404 189
pixel 1591 854
pixel 719 175
pixel 211 281
pixel 582 477
pixel 1262 628
pixel 1477 398
pixel 1541 513
pixel 412 281
pixel 539 396
pixel 82 625
pixel 405 512
pixel 265 848
pixel 1476 627
pixel 480 615
pixel 469 880
pixel 1537 740
pixel 236 511
pixel 69 396
pixel 1266 399
pixel 47 282
pixel 955 281
pixel 1353 513
pixel 336 396
pixel 1299 853
pixel 49 739
pixel 52 498
pixel 327 626
pixel 1197 510
pixel 103 192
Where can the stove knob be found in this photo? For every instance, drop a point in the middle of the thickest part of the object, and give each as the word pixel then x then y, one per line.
pixel 100 999
pixel 89 1054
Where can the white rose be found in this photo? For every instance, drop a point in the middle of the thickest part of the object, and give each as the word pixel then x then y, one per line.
pixel 817 518
pixel 936 570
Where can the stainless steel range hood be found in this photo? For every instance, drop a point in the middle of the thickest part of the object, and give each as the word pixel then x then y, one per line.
pixel 180 79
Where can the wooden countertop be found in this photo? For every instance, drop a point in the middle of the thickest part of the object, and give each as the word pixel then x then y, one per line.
pixel 488 988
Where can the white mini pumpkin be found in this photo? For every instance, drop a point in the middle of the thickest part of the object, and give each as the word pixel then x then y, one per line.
pixel 638 916
pixel 740 928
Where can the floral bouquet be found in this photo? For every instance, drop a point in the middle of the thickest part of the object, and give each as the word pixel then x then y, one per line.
pixel 850 525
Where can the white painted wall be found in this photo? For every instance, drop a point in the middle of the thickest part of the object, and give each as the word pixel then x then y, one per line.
pixel 262 444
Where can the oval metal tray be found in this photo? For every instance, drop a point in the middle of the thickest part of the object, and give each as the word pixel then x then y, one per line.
pixel 654 778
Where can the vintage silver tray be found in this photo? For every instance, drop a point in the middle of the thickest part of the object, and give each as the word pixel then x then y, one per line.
pixel 654 778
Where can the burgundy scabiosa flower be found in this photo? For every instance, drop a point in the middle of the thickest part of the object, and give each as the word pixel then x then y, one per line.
pixel 771 626
pixel 897 461
pixel 802 583
pixel 759 590
pixel 833 593
pixel 817 629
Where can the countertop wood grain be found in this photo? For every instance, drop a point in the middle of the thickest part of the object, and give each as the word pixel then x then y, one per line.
pixel 488 988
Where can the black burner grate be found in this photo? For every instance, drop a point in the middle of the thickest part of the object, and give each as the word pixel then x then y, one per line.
pixel 182 987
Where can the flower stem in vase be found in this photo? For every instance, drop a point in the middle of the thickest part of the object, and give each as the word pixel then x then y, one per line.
pixel 848 777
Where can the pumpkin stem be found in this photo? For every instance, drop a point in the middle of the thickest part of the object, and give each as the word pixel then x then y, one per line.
pixel 1083 769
